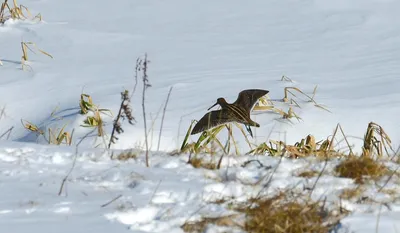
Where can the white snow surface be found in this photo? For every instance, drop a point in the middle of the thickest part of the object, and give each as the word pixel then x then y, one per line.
pixel 203 50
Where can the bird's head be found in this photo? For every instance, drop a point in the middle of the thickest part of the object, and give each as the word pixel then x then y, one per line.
pixel 221 101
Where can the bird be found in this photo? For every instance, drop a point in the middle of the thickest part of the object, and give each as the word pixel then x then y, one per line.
pixel 238 111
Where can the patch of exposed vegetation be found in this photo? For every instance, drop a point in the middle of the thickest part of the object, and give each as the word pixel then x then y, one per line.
pixel 200 226
pixel 124 156
pixel 359 168
pixel 282 214
pixel 201 162
pixel 308 173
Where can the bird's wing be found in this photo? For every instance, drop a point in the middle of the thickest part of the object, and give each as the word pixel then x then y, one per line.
pixel 248 98
pixel 212 119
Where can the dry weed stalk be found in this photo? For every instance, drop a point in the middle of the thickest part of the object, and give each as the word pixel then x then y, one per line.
pixel 125 111
pixel 162 118
pixel 7 132
pixel 143 66
pixel 286 79
pixel 64 180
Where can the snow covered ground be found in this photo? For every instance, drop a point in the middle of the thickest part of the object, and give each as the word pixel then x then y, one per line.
pixel 204 51
pixel 160 198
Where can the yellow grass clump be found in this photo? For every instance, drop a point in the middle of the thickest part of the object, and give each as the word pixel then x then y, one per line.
pixel 278 214
pixel 359 168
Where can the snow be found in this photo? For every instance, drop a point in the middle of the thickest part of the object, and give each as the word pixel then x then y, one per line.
pixel 204 51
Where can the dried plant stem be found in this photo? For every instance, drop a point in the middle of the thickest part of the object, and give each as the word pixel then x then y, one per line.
pixel 73 164
pixel 145 85
pixel 8 133
pixel 116 120
pixel 109 202
pixel 155 191
pixel 137 68
pixel 319 176
pixel 162 118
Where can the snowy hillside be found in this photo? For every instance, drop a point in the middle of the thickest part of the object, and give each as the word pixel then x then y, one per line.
pixel 349 50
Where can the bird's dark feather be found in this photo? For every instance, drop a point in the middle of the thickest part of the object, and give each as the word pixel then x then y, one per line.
pixel 247 98
pixel 212 119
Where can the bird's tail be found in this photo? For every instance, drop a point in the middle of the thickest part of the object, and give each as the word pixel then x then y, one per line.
pixel 255 124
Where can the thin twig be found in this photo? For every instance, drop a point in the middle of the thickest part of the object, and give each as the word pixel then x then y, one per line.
pixel 378 218
pixel 137 69
pixel 270 175
pixel 254 160
pixel 3 112
pixel 114 199
pixel 327 157
pixel 388 179
pixel 155 190
pixel 145 86
pixel 8 131
pixel 116 122
pixel 319 175
pixel 162 118
pixel 73 164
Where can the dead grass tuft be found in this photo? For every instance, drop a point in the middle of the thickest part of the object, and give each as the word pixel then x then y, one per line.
pixel 306 147
pixel 308 174
pixel 16 12
pixel 351 193
pixel 277 215
pixel 376 141
pixel 199 162
pixel 200 226
pixel 124 156
pixel 361 167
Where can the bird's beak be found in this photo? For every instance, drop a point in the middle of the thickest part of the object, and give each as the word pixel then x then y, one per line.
pixel 212 106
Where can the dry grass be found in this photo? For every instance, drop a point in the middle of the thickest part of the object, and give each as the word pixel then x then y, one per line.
pixel 200 226
pixel 304 148
pixel 95 119
pixel 209 143
pixel 25 46
pixel 60 137
pixel 376 141
pixel 308 174
pixel 124 156
pixel 55 136
pixel 351 193
pixel 279 214
pixel 359 168
pixel 199 162
pixel 16 12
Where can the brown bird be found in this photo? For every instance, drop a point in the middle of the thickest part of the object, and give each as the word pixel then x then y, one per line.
pixel 238 111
